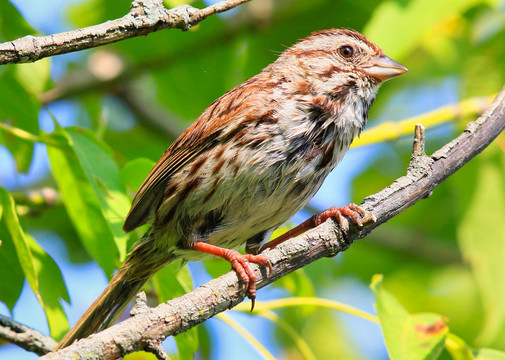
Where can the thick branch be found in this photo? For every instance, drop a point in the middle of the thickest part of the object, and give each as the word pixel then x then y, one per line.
pixel 145 16
pixel 25 337
pixel 424 174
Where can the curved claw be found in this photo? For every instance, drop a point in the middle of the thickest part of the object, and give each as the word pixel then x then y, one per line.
pixel 356 214
pixel 240 263
pixel 353 211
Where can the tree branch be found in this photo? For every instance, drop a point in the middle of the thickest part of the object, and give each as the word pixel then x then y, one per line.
pixel 152 325
pixel 144 17
pixel 25 337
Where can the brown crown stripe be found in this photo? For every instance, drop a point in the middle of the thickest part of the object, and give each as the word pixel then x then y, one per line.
pixel 309 53
pixel 346 32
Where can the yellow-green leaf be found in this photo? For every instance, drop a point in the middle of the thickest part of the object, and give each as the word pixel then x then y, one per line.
pixel 415 18
pixel 134 172
pixel 41 271
pixel 481 236
pixel 490 354
pixel 34 76
pixel 171 282
pixel 408 336
pixel 81 202
pixel 103 175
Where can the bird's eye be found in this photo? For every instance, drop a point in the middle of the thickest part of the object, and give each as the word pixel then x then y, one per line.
pixel 346 51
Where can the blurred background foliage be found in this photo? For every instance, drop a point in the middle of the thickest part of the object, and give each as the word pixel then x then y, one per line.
pixel 79 133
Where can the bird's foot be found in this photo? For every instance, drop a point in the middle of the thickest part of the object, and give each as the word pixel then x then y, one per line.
pixel 240 263
pixel 356 214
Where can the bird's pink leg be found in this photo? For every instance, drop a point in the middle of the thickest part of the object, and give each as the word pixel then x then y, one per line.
pixel 353 211
pixel 240 263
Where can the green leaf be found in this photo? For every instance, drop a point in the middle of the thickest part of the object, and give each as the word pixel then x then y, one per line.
pixel 51 289
pixel 11 274
pixel 41 271
pixel 489 354
pixel 103 174
pixel 458 349
pixel 298 284
pixel 12 23
pixel 19 239
pixel 481 235
pixel 134 172
pixel 78 189
pixel 171 282
pixel 415 18
pixel 86 13
pixel 34 77
pixel 140 355
pixel 408 336
pixel 19 109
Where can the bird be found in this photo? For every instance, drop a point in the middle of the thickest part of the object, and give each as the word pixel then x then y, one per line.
pixel 249 162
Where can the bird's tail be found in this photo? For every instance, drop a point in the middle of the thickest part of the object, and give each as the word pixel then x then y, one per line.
pixel 145 259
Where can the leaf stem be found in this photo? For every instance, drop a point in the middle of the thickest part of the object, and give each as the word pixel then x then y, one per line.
pixel 392 130
pixel 247 336
pixel 307 301
pixel 25 135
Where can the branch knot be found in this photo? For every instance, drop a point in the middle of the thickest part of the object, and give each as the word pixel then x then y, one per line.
pixel 184 16
pixel 140 305
pixel 420 163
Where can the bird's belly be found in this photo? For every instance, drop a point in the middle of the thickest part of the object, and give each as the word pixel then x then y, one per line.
pixel 247 205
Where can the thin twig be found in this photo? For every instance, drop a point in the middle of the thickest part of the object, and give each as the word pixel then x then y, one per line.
pixel 144 17
pixel 25 337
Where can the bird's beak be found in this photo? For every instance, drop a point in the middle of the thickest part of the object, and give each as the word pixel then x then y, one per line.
pixel 383 68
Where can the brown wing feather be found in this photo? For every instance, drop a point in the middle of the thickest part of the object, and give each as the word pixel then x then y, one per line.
pixel 203 134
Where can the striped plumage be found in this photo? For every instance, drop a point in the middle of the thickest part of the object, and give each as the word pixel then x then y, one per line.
pixel 252 160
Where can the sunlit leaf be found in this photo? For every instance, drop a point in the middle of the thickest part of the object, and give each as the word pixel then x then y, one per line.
pixel 457 347
pixel 12 23
pixel 171 282
pixel 80 199
pixel 134 172
pixel 489 354
pixel 482 238
pixel 298 284
pixel 19 238
pixel 34 76
pixel 408 336
pixel 103 174
pixel 19 109
pixel 140 355
pixel 51 289
pixel 11 273
pixel 414 18
pixel 42 273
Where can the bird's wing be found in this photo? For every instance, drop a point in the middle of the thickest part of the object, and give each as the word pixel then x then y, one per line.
pixel 206 132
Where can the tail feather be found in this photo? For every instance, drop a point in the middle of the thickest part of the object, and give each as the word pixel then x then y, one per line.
pixel 142 263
